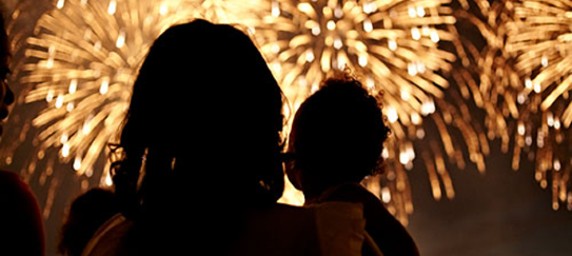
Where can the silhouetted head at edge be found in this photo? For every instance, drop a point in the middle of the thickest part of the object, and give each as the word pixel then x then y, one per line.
pixel 6 94
pixel 205 116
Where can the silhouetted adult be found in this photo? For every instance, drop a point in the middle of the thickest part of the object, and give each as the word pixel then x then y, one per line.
pixel 336 141
pixel 21 224
pixel 201 169
pixel 85 215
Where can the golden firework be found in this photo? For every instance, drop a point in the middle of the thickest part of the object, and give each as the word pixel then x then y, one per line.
pixel 506 69
pixel 395 47
pixel 243 12
pixel 540 39
pixel 73 76
pixel 82 63
pixel 485 72
pixel 21 14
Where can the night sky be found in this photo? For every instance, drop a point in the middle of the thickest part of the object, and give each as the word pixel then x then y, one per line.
pixel 502 212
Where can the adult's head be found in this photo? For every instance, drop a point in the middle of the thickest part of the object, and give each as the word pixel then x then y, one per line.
pixel 337 135
pixel 206 115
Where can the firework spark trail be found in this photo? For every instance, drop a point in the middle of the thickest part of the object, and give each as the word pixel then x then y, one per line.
pixel 242 12
pixel 486 73
pixel 394 47
pixel 83 61
pixel 540 37
pixel 21 15
pixel 83 75
pixel 79 64
pixel 509 78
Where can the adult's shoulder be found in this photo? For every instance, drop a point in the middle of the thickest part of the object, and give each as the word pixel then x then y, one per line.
pixel 287 209
pixel 13 188
pixel 109 239
pixel 341 227
pixel 331 228
pixel 8 177
pixel 288 218
pixel 21 220
pixel 278 229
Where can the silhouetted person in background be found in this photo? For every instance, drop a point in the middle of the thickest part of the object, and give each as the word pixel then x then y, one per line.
pixel 86 214
pixel 21 224
pixel 336 141
pixel 203 132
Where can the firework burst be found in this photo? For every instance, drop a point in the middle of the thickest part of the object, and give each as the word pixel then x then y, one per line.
pixel 485 72
pixel 394 47
pixel 74 69
pixel 83 59
pixel 540 39
pixel 524 99
pixel 243 12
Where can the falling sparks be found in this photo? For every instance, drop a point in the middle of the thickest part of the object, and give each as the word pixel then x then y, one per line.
pixel 394 47
pixel 312 38
pixel 243 12
pixel 77 67
pixel 518 75
pixel 86 53
pixel 540 39
pixel 79 64
pixel 486 74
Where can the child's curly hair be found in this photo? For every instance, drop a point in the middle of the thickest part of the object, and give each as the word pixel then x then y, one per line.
pixel 339 130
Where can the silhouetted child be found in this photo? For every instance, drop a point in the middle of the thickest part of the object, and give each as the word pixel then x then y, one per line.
pixel 85 215
pixel 336 141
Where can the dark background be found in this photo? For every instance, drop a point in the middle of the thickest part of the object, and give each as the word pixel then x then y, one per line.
pixel 502 212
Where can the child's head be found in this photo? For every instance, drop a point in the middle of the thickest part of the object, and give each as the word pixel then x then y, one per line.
pixel 337 135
